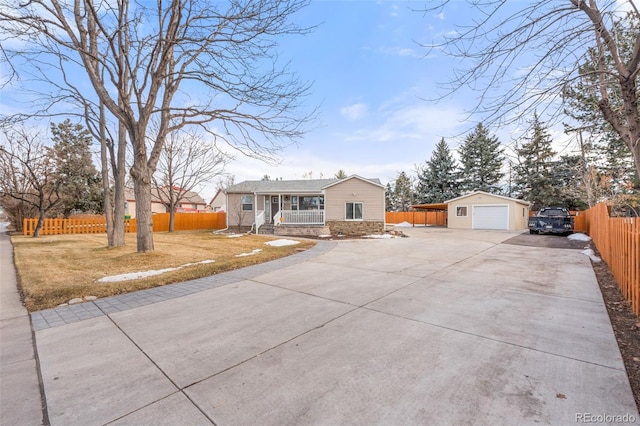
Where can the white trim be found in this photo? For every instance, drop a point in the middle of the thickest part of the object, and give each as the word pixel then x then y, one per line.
pixel 466 206
pixel 491 195
pixel 354 177
pixel 354 211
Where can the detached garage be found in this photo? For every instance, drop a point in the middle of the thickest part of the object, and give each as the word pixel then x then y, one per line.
pixel 481 210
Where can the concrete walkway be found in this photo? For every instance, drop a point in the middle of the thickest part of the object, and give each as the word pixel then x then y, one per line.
pixel 20 397
pixel 446 327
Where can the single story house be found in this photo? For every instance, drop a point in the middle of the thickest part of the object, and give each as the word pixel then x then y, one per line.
pixel 481 210
pixel 350 206
pixel 191 202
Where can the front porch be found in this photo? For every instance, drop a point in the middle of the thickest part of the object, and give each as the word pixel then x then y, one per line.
pixel 293 210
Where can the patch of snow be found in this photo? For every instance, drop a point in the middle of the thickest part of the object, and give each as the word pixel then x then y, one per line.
pixel 403 225
pixel 145 274
pixel 379 236
pixel 592 255
pixel 324 236
pixel 256 251
pixel 234 235
pixel 579 237
pixel 282 242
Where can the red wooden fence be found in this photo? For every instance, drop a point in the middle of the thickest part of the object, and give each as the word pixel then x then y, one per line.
pixel 96 225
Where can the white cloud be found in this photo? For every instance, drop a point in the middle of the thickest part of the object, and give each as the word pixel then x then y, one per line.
pixel 399 51
pixel 354 112
pixel 414 122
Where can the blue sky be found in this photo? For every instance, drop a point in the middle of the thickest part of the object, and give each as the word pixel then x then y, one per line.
pixel 370 80
pixel 371 83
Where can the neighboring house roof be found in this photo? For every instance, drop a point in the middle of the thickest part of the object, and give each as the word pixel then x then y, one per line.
pixel 189 197
pixel 302 185
pixel 526 203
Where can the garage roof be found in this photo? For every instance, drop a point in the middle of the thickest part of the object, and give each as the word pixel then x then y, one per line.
pixel 526 203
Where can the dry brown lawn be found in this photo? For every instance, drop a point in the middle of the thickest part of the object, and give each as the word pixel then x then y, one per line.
pixel 55 269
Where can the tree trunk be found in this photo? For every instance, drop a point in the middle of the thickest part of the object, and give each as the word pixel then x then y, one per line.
pixel 142 189
pixel 36 232
pixel 172 217
pixel 104 164
pixel 118 194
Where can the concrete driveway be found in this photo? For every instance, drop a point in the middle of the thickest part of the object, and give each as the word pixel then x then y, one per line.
pixel 445 327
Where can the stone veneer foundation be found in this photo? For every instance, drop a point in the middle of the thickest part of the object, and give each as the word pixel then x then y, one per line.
pixel 301 231
pixel 356 227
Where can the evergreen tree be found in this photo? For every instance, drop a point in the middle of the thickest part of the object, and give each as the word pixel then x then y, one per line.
pixel 438 179
pixel 403 193
pixel 341 174
pixel 481 159
pixel 80 182
pixel 534 180
pixel 567 183
pixel 389 198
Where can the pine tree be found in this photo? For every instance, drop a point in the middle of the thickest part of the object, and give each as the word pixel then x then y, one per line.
pixel 534 178
pixel 403 193
pixel 481 159
pixel 389 198
pixel 438 179
pixel 80 182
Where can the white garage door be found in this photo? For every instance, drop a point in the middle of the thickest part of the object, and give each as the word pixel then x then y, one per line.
pixel 491 217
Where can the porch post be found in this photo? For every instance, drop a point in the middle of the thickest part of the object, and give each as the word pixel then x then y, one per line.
pixel 255 207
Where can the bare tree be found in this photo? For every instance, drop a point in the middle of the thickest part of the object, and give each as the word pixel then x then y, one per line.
pixel 185 62
pixel 28 178
pixel 186 162
pixel 519 57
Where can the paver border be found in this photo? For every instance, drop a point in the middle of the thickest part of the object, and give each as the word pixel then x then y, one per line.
pixel 61 315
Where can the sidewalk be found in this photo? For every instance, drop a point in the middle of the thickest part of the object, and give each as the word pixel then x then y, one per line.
pixel 20 398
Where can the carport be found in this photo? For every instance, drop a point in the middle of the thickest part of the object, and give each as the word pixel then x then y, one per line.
pixel 481 210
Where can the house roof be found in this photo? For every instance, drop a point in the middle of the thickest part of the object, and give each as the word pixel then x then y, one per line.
pixel 188 197
pixel 374 181
pixel 301 185
pixel 491 195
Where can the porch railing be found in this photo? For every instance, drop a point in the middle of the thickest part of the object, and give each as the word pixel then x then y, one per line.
pixel 299 217
pixel 259 220
pixel 277 218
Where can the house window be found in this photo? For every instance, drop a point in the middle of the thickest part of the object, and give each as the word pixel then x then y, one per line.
pixel 294 202
pixel 354 211
pixel 247 202
pixel 311 202
pixel 461 211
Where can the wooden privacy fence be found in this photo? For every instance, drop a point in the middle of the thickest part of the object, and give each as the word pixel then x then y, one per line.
pixel 96 225
pixel 418 218
pixel 618 241
pixel 188 221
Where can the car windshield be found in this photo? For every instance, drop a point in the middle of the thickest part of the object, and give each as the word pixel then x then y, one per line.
pixel 553 212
